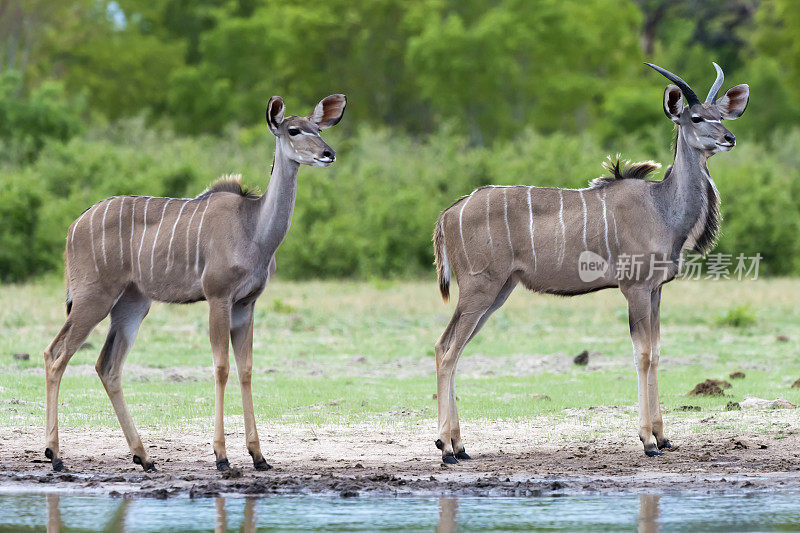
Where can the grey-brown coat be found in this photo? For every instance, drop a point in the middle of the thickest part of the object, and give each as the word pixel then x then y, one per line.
pixel 569 242
pixel 124 252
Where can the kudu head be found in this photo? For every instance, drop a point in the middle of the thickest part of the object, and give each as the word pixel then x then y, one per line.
pixel 298 137
pixel 701 121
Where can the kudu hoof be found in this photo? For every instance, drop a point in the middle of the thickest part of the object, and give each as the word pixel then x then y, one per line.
pixel 223 465
pixel 462 455
pixel 449 459
pixel 652 451
pixel 262 465
pixel 58 464
pixel 439 444
pixel 664 445
pixel 149 466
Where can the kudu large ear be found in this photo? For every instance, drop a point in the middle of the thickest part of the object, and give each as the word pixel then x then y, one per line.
pixel 275 110
pixel 673 103
pixel 329 111
pixel 733 104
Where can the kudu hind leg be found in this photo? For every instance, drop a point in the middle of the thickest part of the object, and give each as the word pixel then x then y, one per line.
pixel 455 424
pixel 84 316
pixel 652 374
pixel 468 313
pixel 242 341
pixel 126 317
pixel 639 316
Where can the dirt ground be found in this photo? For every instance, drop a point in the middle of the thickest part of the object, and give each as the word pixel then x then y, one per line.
pixel 509 458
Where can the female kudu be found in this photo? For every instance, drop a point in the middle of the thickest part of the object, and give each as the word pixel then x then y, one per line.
pixel 569 242
pixel 126 251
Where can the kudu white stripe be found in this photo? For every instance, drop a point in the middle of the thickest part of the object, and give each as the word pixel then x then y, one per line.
pixel 133 220
pixel 172 235
pixel 121 206
pixel 103 223
pixel 508 228
pixel 530 228
pixel 488 229
pixel 562 250
pixel 197 244
pixel 188 229
pixel 141 243
pixel 155 239
pixel 602 199
pixel 461 231
pixel 585 221
pixel 91 237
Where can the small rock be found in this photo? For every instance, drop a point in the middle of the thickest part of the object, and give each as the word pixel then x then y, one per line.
pixel 22 356
pixel 733 406
pixel 761 403
pixel 435 396
pixel 796 384
pixel 358 465
pixel 689 408
pixel 582 358
pixel 348 494
pixel 782 338
pixel 737 375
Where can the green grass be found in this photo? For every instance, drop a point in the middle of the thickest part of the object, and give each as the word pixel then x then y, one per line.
pixel 346 352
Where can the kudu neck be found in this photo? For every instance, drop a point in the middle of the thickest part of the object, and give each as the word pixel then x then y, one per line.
pixel 277 203
pixel 686 184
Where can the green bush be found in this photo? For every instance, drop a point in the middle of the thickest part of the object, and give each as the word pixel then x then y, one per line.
pixel 371 214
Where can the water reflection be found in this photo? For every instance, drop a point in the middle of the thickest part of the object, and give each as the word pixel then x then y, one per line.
pixel 53 514
pixel 648 513
pixel 448 508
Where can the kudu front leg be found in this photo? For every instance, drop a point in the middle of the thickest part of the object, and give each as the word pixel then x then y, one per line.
pixel 652 374
pixel 639 315
pixel 219 322
pixel 242 341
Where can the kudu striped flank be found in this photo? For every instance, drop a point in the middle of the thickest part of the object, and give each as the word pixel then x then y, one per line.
pixel 569 242
pixel 124 252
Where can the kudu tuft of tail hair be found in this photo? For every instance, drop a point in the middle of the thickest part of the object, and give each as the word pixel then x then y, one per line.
pixel 440 255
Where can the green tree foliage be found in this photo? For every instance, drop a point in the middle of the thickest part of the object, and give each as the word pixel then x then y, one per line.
pixel 443 96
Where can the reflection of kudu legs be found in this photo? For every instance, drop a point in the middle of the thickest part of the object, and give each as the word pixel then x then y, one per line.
pixel 249 525
pixel 639 320
pixel 84 316
pixel 222 520
pixel 242 341
pixel 126 317
pixel 648 513
pixel 471 307
pixel 652 375
pixel 448 509
pixel 53 514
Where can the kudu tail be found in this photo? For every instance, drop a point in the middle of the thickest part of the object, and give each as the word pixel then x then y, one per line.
pixel 442 263
pixel 68 303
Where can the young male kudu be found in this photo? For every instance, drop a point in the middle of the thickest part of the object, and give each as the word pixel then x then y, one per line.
pixel 126 251
pixel 497 237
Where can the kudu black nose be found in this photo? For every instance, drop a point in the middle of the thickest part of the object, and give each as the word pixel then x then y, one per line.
pixel 730 137
pixel 328 153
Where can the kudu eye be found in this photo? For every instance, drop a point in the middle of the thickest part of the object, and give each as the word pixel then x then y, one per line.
pixel 697 118
pixel 294 131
